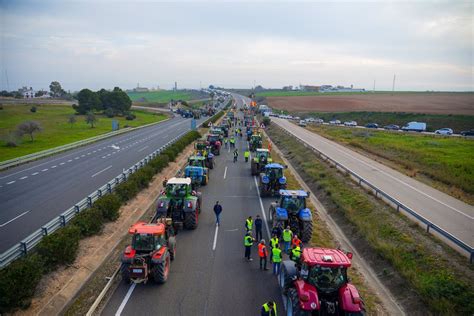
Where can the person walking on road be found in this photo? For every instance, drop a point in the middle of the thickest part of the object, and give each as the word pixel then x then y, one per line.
pixel 226 142
pixel 276 259
pixel 274 241
pixel 296 254
pixel 263 254
pixel 258 228
pixel 249 224
pixel 269 309
pixel 236 154
pixel 287 235
pixel 218 211
pixel 248 243
pixel 246 155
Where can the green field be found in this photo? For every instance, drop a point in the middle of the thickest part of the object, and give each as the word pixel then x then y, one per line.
pixel 56 129
pixel 447 160
pixel 161 96
pixel 433 121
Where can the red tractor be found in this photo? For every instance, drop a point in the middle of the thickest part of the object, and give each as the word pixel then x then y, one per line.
pixel 318 284
pixel 153 247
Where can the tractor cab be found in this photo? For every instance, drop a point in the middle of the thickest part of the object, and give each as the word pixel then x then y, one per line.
pixel 217 131
pixel 215 142
pixel 178 187
pixel 197 171
pixel 147 237
pixel 293 200
pixel 255 142
pixel 197 161
pixel 272 180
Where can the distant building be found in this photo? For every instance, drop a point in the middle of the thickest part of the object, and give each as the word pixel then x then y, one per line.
pixel 309 88
pixel 28 93
pixel 329 88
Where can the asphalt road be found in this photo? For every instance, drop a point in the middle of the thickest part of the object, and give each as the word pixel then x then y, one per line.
pixel 210 275
pixel 454 216
pixel 33 194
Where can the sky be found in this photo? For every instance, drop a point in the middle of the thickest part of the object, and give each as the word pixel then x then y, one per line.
pixel 97 44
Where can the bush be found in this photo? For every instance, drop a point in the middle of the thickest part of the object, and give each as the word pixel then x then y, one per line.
pixel 109 112
pixel 126 190
pixel 18 282
pixel 130 116
pixel 60 247
pixel 159 163
pixel 33 109
pixel 89 221
pixel 266 120
pixel 109 206
pixel 142 177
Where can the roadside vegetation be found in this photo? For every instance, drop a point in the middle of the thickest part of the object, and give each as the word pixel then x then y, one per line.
pixel 444 162
pixel 323 238
pixel 59 125
pixel 442 278
pixel 19 280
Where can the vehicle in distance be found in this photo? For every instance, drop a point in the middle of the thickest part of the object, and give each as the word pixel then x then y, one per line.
pixel 414 127
pixel 468 133
pixel 350 123
pixel 392 127
pixel 372 125
pixel 319 121
pixel 334 122
pixel 444 131
pixel 302 123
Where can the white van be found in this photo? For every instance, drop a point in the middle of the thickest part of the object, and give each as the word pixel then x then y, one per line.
pixel 415 127
pixel 302 123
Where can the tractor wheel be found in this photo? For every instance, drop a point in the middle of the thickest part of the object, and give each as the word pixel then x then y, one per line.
pixel 161 270
pixel 285 278
pixel 306 231
pixel 191 219
pixel 293 304
pixel 125 270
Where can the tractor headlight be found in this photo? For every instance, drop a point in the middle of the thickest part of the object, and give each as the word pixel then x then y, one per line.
pixel 282 180
pixel 265 179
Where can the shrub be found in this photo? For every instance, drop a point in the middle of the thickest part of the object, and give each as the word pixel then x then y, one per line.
pixel 18 282
pixel 109 112
pixel 109 206
pixel 159 163
pixel 266 121
pixel 142 177
pixel 130 116
pixel 89 221
pixel 126 190
pixel 60 247
pixel 33 109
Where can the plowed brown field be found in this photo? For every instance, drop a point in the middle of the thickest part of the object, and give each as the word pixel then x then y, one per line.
pixel 434 103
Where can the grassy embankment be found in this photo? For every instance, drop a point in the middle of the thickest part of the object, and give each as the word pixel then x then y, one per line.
pixel 323 238
pixel 443 162
pixel 56 129
pixel 440 276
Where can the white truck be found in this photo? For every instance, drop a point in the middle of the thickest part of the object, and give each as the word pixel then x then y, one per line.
pixel 414 127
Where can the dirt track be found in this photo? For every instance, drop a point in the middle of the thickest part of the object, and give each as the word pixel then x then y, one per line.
pixel 434 103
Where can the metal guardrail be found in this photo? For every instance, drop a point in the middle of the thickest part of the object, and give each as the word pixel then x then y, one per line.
pixel 380 193
pixel 32 240
pixel 48 152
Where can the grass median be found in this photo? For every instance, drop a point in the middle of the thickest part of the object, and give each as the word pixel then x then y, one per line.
pixel 56 128
pixel 443 162
pixel 439 276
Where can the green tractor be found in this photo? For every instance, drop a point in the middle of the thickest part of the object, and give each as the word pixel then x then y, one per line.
pixel 255 142
pixel 261 158
pixel 272 180
pixel 197 171
pixel 180 203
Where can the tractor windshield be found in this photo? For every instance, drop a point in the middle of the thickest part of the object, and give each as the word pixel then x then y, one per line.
pixel 293 203
pixel 213 138
pixel 263 155
pixel 196 162
pixel 176 190
pixel 144 242
pixel 275 173
pixel 327 279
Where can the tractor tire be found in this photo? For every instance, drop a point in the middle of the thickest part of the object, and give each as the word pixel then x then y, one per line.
pixel 306 231
pixel 172 247
pixel 124 269
pixel 161 270
pixel 293 304
pixel 287 272
pixel 191 219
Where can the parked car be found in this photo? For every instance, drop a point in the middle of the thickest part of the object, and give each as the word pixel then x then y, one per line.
pixel 444 131
pixel 302 123
pixel 350 123
pixel 372 125
pixel 334 122
pixel 468 133
pixel 319 121
pixel 392 127
pixel 415 127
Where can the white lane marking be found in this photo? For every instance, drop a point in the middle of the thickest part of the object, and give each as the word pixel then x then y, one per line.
pixel 83 156
pixel 88 154
pixel 143 148
pixel 6 223
pixel 62 163
pixel 215 238
pixel 11 182
pixel 125 300
pixel 69 160
pixel 164 136
pixel 52 167
pixel 44 170
pixel 232 230
pixel 101 171
pixel 225 171
pixel 23 178
pixel 387 174
pixel 262 208
pixel 34 174
pixel 77 158
pixel 115 147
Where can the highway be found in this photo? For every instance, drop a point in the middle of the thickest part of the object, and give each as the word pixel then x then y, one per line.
pixel 210 275
pixel 454 216
pixel 33 194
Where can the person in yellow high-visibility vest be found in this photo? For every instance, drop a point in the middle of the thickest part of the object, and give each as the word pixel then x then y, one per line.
pixel 287 236
pixel 276 259
pixel 248 242
pixel 249 224
pixel 246 155
pixel 269 309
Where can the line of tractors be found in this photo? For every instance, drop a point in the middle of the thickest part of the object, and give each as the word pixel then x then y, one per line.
pixel 316 284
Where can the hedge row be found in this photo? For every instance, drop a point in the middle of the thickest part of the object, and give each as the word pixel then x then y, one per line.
pixel 19 280
pixel 213 119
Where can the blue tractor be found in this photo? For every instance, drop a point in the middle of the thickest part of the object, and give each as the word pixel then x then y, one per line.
pixel 197 171
pixel 272 179
pixel 291 211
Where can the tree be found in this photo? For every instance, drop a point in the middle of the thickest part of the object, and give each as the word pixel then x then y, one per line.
pixel 71 119
pixel 88 101
pixel 117 100
pixel 56 89
pixel 40 93
pixel 29 127
pixel 91 119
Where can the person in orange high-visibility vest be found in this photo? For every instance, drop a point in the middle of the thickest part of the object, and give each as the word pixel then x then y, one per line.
pixel 269 146
pixel 295 241
pixel 263 254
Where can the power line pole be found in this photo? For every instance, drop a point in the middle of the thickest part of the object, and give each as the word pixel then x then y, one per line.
pixel 6 75
pixel 393 85
pixel 374 87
